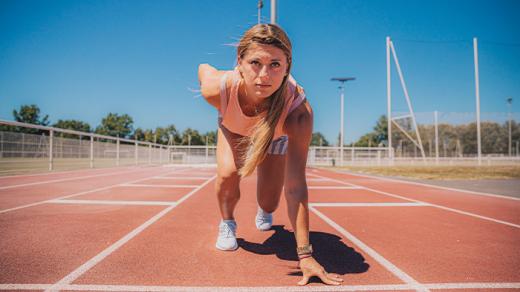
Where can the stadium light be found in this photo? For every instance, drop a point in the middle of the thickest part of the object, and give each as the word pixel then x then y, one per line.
pixel 342 88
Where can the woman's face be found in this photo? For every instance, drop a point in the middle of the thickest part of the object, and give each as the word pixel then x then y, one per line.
pixel 263 69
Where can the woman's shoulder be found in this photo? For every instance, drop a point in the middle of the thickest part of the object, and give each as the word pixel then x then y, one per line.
pixel 210 80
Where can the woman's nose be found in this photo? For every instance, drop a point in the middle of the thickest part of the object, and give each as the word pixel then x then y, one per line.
pixel 263 72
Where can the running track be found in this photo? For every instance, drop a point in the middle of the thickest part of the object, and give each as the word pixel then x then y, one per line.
pixel 154 229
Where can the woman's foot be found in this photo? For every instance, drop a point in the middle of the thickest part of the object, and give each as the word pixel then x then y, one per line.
pixel 227 239
pixel 263 220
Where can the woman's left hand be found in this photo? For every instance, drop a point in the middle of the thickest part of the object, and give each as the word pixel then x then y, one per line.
pixel 310 267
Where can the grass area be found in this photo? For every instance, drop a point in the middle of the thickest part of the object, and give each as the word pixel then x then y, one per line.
pixel 441 172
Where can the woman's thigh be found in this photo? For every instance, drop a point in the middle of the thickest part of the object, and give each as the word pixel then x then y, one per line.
pixel 271 173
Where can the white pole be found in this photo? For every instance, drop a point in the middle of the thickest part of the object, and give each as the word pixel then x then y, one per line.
pixel 389 99
pixel 273 11
pixel 436 138
pixel 51 143
pixel 117 152
pixel 477 94
pixel 405 90
pixel 91 151
pixel 509 102
pixel 341 131
pixel 136 156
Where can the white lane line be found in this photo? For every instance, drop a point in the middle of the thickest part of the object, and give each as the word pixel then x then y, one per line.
pixel 376 256
pixel 181 178
pixel 113 202
pixel 368 204
pixel 439 206
pixel 158 186
pixel 334 188
pixel 429 185
pixel 317 179
pixel 66 179
pixel 99 257
pixel 79 194
pixel 60 172
pixel 388 287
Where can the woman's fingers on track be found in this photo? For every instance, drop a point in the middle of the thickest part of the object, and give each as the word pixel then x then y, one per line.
pixel 328 280
pixel 335 277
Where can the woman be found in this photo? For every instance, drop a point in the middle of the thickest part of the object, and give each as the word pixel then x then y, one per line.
pixel 265 123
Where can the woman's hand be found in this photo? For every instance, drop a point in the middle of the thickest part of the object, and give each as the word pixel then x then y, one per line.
pixel 310 267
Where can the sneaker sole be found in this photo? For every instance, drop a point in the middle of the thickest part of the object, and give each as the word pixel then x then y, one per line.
pixel 235 247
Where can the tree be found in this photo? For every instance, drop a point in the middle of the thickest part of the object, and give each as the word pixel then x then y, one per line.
pixel 212 138
pixel 29 114
pixel 116 125
pixel 192 137
pixel 319 140
pixel 72 125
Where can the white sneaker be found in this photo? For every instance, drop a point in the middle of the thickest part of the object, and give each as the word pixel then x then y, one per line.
pixel 263 220
pixel 227 239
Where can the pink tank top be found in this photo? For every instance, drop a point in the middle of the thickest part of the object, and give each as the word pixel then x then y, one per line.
pixel 232 117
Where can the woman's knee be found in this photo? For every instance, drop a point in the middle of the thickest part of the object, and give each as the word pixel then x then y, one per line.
pixel 227 182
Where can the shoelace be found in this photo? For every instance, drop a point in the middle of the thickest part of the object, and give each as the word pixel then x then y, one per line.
pixel 226 230
pixel 263 215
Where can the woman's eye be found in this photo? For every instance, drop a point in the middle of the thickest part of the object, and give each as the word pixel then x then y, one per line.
pixel 275 64
pixel 255 62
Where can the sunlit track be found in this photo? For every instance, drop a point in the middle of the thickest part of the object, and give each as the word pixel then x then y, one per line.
pixel 400 287
pixel 80 193
pixel 68 179
pixel 432 205
pixel 93 261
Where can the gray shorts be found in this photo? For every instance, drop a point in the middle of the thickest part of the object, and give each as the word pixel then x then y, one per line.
pixel 278 146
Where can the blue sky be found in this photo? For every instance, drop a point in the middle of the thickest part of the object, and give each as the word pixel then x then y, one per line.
pixel 84 59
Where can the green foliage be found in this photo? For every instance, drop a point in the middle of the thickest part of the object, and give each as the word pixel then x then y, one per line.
pixel 116 125
pixel 319 140
pixel 377 137
pixel 72 125
pixel 191 137
pixel 30 114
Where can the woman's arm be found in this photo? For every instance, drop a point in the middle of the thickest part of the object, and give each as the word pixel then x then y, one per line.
pixel 209 79
pixel 298 127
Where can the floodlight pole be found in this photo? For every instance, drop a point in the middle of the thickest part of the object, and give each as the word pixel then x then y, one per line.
pixel 273 11
pixel 477 94
pixel 260 6
pixel 342 87
pixel 509 103
pixel 389 100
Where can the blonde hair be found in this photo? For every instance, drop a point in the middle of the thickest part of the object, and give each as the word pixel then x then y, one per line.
pixel 257 145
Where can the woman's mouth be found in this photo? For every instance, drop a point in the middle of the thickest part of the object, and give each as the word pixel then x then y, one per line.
pixel 262 85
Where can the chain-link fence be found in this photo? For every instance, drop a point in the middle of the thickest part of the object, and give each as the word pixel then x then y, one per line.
pixel 454 135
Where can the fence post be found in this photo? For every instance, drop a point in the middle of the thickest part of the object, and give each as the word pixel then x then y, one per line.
pixel 160 154
pixel 136 153
pixel 117 152
pixel 91 151
pixel 2 144
pixel 150 153
pixel 51 140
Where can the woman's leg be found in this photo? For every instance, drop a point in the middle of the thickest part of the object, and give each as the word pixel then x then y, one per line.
pixel 271 173
pixel 228 180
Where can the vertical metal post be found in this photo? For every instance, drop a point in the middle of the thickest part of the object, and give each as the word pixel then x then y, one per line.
pixel 389 99
pixel 273 11
pixel 150 153
pixel 160 154
pixel 51 143
pixel 207 150
pixel 136 153
pixel 517 148
pixel 435 116
pixel 477 95
pixel 1 144
pixel 260 6
pixel 509 103
pixel 342 122
pixel 91 151
pixel 117 152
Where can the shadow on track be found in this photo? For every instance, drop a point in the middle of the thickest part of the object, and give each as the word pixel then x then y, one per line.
pixel 329 251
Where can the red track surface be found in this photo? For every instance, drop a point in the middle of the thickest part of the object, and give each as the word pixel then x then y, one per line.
pixel 134 229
